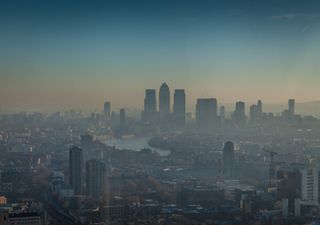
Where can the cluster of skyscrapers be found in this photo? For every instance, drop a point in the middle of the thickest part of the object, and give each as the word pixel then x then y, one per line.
pixel 94 174
pixel 150 113
pixel 209 117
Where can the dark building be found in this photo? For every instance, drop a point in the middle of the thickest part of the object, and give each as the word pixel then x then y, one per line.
pixel 229 164
pixel 95 178
pixel 179 107
pixel 222 115
pixel 24 218
pixel 122 119
pixel 164 101
pixel 239 116
pixel 206 114
pixel 259 108
pixel 291 103
pixel 76 169
pixel 288 186
pixel 204 195
pixel 149 113
pixel 107 109
pixel 253 114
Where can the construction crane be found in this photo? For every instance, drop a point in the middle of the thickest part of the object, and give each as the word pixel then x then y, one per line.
pixel 271 169
pixel 272 154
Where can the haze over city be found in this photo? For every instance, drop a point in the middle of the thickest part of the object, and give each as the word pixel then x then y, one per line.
pixel 159 112
pixel 61 55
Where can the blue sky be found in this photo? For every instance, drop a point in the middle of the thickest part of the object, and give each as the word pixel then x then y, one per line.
pixel 75 54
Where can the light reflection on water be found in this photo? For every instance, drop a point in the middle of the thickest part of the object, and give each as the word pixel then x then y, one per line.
pixel 135 144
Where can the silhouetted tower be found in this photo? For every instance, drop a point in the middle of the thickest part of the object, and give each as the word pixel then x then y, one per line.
pixel 229 160
pixel 179 107
pixel 95 178
pixel 239 116
pixel 150 102
pixel 164 101
pixel 149 113
pixel 291 103
pixel 206 114
pixel 76 169
pixel 271 168
pixel 222 115
pixel 253 113
pixel 122 118
pixel 107 109
pixel 259 107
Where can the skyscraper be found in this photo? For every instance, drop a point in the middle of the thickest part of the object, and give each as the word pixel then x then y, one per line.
pixel 239 116
pixel 291 103
pixel 122 118
pixel 206 114
pixel 164 101
pixel 259 108
pixel 75 169
pixel 150 103
pixel 107 109
pixel 179 107
pixel 228 160
pixel 95 178
pixel 222 115
pixel 254 111
pixel 150 106
pixel 309 185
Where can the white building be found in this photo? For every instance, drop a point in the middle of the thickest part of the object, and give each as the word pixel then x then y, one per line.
pixel 309 185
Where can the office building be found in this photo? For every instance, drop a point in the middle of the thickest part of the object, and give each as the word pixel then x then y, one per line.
pixel 107 109
pixel 239 117
pixel 149 113
pixel 95 178
pixel 254 111
pixel 259 109
pixel 229 160
pixel 291 104
pixel 150 102
pixel 24 218
pixel 222 115
pixel 76 169
pixel 309 185
pixel 164 101
pixel 122 119
pixel 179 107
pixel 206 114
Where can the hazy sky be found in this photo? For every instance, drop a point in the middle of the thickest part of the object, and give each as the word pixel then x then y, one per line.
pixel 76 54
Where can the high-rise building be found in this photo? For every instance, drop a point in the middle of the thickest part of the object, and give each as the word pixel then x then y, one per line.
pixel 239 116
pixel 259 107
pixel 206 114
pixel 254 111
pixel 291 103
pixel 222 115
pixel 122 118
pixel 150 102
pixel 179 107
pixel 228 160
pixel 107 109
pixel 288 185
pixel 309 185
pixel 95 178
pixel 298 182
pixel 164 101
pixel 76 169
pixel 150 106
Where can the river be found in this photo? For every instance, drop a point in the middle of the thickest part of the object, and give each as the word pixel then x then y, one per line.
pixel 135 144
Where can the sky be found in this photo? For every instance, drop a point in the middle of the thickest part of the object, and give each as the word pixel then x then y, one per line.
pixel 57 55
